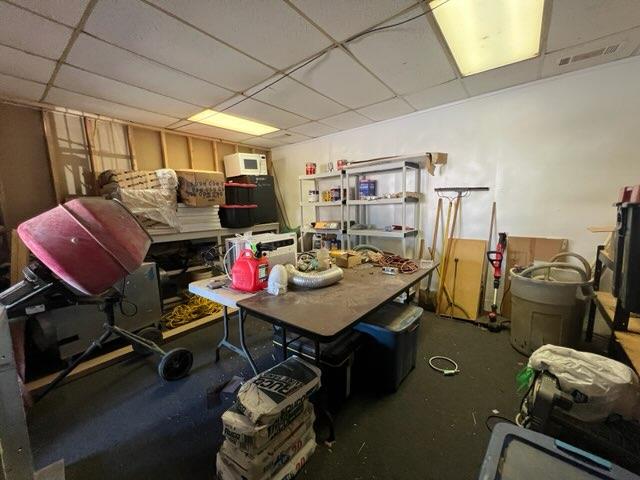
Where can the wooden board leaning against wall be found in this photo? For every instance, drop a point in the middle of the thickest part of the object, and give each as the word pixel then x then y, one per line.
pixel 80 147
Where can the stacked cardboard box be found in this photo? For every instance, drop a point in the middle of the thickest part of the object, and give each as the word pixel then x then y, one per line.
pixel 269 430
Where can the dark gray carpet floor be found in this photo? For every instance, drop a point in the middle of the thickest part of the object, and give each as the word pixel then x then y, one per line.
pixel 124 422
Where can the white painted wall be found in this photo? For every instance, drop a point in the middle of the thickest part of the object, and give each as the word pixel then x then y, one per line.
pixel 554 153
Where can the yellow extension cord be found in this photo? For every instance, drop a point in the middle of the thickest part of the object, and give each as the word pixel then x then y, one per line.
pixel 194 308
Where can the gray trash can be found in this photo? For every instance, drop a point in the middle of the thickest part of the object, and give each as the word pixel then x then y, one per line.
pixel 393 346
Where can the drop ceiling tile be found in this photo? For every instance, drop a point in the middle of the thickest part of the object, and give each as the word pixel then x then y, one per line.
pixel 268 29
pixel 20 64
pixel 76 101
pixel 438 95
pixel 578 21
pixel 263 113
pixel 346 120
pixel 68 12
pixel 285 136
pixel 627 42
pixel 408 58
pixel 178 124
pixel 297 98
pixel 144 29
pixel 502 77
pixel 345 18
pixel 339 77
pixel 27 31
pixel 229 102
pixel 387 109
pixel 313 129
pixel 79 81
pixel 17 87
pixel 262 142
pixel 214 132
pixel 99 57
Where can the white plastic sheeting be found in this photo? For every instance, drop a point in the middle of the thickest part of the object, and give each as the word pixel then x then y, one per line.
pixel 610 386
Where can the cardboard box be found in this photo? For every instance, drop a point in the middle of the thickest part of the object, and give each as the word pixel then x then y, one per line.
pixel 348 260
pixel 201 188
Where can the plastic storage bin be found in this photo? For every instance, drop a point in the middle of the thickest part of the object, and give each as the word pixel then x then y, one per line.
pixel 338 361
pixel 237 216
pixel 393 331
pixel 240 193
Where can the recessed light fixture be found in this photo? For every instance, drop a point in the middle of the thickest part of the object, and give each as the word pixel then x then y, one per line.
pixel 487 34
pixel 231 122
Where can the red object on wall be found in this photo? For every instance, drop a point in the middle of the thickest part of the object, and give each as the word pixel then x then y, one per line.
pixel 90 243
pixel 249 274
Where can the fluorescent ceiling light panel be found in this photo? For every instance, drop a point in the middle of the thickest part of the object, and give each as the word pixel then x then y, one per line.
pixel 487 34
pixel 231 122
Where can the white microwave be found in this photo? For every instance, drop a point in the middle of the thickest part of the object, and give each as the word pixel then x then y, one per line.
pixel 245 164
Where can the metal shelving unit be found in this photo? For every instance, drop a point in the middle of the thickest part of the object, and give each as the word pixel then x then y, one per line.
pixel 317 179
pixel 404 166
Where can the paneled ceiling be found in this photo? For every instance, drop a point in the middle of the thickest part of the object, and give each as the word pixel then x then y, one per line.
pixel 158 62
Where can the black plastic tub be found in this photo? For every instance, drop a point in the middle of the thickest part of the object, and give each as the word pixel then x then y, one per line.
pixel 237 216
pixel 240 193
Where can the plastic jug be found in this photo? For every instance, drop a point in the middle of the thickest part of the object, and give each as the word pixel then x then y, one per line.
pixel 250 274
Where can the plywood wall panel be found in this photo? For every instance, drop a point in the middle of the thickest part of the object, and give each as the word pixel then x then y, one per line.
pixel 177 152
pixel 202 154
pixel 148 148
pixel 225 149
pixel 25 174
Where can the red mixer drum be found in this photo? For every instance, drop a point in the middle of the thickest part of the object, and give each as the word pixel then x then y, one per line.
pixel 90 243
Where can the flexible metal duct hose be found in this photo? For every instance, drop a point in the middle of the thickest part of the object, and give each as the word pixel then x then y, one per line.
pixel 548 266
pixel 314 279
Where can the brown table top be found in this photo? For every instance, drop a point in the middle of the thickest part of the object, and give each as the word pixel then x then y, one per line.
pixel 326 312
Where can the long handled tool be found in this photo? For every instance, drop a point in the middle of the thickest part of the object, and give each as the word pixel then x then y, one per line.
pixel 495 257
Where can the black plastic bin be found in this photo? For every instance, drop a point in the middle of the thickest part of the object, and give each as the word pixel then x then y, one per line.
pixel 392 350
pixel 237 216
pixel 338 361
pixel 236 193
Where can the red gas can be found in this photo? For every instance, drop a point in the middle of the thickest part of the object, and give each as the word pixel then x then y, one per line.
pixel 249 274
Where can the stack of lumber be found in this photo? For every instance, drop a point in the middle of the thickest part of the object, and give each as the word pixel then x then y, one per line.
pixel 110 181
pixel 269 430
pixel 197 219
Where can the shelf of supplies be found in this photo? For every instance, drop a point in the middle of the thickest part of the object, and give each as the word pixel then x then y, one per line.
pixel 383 201
pixel 317 176
pixel 321 204
pixel 382 233
pixel 383 167
pixel 336 231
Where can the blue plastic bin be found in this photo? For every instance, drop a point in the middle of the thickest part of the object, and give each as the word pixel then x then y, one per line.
pixel 392 351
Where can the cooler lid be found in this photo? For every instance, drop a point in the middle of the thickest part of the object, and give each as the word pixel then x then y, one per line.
pixel 394 317
pixel 240 185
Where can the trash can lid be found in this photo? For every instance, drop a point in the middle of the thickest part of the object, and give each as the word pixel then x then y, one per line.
pixel 394 317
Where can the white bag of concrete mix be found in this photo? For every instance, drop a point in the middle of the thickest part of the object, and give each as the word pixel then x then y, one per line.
pixel 606 385
pixel 226 470
pixel 266 395
pixel 241 432
pixel 271 459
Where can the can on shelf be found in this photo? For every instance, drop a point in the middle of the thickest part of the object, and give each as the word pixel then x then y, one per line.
pixel 314 196
pixel 326 195
pixel 335 194
pixel 311 168
pixel 340 164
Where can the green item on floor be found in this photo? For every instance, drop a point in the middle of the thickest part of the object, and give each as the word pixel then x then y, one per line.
pixel 524 378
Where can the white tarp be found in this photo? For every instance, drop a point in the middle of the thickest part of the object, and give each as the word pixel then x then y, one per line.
pixel 610 386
